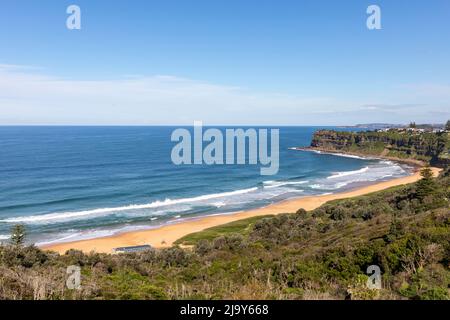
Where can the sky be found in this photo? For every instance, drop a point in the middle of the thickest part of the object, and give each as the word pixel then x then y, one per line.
pixel 224 62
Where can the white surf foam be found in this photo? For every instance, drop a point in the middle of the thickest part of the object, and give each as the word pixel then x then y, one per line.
pixel 275 184
pixel 347 173
pixel 104 211
pixel 375 172
pixel 342 155
pixel 219 204
pixel 350 156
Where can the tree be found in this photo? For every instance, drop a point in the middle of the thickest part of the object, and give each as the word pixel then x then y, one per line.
pixel 426 186
pixel 447 126
pixel 426 173
pixel 395 229
pixel 18 233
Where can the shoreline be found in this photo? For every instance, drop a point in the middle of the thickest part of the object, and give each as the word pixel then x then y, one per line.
pixel 412 162
pixel 166 235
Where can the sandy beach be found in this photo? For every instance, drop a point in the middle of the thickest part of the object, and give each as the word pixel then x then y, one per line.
pixel 164 236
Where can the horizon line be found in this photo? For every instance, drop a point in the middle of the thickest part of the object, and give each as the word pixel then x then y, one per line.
pixel 204 125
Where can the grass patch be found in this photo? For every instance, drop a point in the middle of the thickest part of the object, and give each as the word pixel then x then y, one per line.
pixel 242 227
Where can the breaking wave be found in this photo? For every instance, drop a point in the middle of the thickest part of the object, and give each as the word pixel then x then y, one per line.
pixel 348 173
pixel 105 211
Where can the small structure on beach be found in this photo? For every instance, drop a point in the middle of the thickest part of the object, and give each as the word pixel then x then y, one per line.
pixel 132 249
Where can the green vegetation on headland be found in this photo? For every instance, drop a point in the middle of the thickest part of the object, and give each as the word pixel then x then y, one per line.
pixel 397 143
pixel 322 254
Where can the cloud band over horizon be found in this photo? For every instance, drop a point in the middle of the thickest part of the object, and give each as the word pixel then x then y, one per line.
pixel 29 96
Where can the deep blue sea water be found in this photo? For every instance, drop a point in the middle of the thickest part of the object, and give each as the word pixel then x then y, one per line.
pixel 69 183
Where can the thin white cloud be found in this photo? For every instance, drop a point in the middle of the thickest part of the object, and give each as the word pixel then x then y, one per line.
pixel 392 107
pixel 29 96
pixel 34 97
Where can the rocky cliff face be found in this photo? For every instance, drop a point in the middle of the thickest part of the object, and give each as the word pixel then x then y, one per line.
pixel 429 147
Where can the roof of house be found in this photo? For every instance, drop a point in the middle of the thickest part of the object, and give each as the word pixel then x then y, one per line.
pixel 133 248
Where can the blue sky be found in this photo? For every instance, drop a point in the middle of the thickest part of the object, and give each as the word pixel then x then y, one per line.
pixel 224 62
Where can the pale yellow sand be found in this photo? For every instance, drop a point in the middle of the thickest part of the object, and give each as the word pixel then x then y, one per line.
pixel 164 236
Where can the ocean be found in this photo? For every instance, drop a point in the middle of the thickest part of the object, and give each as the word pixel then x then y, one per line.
pixel 72 183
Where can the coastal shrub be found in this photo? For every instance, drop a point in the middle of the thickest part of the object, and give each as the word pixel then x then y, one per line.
pixel 396 229
pixel 430 283
pixel 367 255
pixel 309 274
pixel 405 207
pixel 235 242
pixel 358 290
pixel 129 285
pixel 148 256
pixel 403 254
pixel 338 213
pixel 173 256
pixel 203 247
pixel 27 257
pixel 339 264
pixel 76 257
pixel 439 293
pixel 219 243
